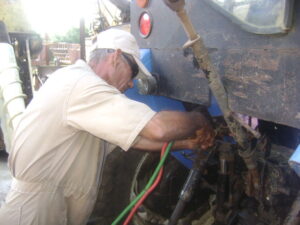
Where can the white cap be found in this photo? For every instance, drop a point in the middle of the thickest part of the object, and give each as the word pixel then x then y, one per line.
pixel 123 40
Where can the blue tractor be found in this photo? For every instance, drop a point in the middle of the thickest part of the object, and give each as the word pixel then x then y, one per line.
pixel 237 61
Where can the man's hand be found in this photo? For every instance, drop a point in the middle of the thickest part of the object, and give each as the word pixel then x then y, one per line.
pixel 205 137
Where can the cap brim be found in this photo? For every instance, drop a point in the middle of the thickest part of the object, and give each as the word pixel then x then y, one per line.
pixel 143 69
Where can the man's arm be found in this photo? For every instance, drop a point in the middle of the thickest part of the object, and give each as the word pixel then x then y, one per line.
pixel 176 126
pixel 149 145
pixel 173 125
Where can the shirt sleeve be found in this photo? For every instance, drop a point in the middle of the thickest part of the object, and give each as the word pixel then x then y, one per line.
pixel 100 109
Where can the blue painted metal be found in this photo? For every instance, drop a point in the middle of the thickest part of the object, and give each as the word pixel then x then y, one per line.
pixel 214 109
pixel 294 161
pixel 159 103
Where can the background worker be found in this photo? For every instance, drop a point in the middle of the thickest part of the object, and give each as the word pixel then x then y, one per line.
pixel 57 151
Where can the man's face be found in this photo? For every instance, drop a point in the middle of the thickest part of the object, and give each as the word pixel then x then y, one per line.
pixel 118 70
pixel 123 74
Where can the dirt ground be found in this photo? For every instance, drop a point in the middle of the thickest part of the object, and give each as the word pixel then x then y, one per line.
pixel 5 177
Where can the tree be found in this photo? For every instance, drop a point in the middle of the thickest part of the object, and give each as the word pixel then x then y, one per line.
pixel 71 36
pixel 12 14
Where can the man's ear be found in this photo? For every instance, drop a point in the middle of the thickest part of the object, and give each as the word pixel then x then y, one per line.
pixel 116 56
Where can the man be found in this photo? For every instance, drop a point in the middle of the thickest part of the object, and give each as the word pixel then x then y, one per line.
pixel 57 149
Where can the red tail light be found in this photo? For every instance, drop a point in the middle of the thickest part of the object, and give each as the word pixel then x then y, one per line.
pixel 145 24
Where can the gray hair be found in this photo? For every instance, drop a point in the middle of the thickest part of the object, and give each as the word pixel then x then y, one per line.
pixel 98 55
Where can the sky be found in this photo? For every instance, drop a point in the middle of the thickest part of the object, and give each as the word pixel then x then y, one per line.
pixel 58 16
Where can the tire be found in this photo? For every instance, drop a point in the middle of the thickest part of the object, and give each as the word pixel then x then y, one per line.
pixel 114 191
pixel 125 174
pixel 159 205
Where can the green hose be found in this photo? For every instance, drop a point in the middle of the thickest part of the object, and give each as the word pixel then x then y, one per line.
pixel 150 182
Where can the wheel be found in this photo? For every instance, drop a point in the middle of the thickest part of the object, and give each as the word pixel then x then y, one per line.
pixel 158 207
pixel 114 191
pixel 126 173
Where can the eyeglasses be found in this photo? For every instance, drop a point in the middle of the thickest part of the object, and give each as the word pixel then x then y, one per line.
pixel 131 62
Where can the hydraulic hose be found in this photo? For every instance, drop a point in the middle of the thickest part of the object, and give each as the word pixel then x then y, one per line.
pixel 150 182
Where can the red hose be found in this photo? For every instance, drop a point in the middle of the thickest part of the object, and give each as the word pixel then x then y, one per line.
pixel 156 182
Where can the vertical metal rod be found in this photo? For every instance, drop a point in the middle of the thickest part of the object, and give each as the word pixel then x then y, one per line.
pixel 185 195
pixel 29 66
pixel 214 80
pixel 190 184
pixel 82 39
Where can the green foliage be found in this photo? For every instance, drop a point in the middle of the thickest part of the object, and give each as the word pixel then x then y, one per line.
pixel 12 14
pixel 71 36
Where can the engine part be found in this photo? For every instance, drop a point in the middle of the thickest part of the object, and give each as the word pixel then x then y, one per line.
pixel 185 195
pixel 147 85
pixel 201 54
pixel 190 184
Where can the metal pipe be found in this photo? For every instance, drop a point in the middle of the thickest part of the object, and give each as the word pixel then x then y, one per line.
pixel 185 195
pixel 29 66
pixel 82 39
pixel 190 183
pixel 223 185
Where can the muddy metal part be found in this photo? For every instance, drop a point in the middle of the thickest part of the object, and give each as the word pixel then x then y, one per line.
pixel 259 72
pixel 205 64
pixel 201 54
pixel 220 192
pixel 258 68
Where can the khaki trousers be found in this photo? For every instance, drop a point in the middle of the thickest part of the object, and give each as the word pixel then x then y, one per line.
pixel 43 204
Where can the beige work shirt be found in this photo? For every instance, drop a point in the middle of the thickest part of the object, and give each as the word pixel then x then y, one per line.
pixel 59 138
